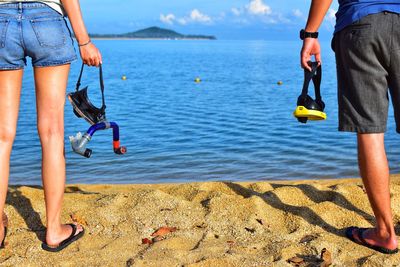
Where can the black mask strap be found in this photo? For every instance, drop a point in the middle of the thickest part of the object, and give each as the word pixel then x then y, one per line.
pixel 315 75
pixel 78 84
pixel 317 82
pixel 103 106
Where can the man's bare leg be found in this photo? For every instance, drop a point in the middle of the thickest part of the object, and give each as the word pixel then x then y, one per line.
pixel 374 170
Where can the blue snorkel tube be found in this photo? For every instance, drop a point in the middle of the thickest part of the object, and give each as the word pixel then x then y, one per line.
pixel 83 108
pixel 79 142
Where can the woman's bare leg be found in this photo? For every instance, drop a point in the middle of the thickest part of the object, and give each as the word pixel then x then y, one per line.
pixel 51 84
pixel 10 91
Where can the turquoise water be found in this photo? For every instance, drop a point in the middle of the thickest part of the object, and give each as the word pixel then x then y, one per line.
pixel 237 124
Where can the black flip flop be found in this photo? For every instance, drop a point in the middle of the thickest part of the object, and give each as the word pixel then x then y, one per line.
pixel 66 242
pixel 2 245
pixel 363 242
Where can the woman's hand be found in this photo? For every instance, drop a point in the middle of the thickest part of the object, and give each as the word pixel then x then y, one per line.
pixel 90 55
pixel 310 48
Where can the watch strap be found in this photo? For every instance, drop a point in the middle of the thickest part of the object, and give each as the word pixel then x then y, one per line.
pixel 304 34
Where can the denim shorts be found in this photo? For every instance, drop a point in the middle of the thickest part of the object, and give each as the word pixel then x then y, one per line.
pixel 34 30
pixel 368 68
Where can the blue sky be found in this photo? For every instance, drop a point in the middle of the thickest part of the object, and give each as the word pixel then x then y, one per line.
pixel 233 19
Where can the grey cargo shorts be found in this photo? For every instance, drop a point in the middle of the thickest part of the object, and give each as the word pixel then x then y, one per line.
pixel 368 68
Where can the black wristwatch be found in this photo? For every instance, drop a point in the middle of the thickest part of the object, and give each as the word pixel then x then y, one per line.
pixel 304 34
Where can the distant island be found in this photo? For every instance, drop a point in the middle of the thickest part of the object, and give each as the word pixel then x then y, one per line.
pixel 154 33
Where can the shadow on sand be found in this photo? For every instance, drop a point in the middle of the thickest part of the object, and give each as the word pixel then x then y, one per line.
pixel 304 212
pixel 24 207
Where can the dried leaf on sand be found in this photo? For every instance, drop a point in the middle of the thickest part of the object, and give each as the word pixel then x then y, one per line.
pixel 147 241
pixel 326 256
pixel 296 261
pixel 163 231
pixel 158 235
pixel 78 219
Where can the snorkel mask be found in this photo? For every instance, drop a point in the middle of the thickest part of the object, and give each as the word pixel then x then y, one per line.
pixel 307 107
pixel 83 108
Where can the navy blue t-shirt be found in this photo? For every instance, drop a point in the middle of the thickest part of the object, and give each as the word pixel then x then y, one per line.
pixel 353 10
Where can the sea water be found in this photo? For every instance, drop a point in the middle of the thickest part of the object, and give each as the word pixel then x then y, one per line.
pixel 236 124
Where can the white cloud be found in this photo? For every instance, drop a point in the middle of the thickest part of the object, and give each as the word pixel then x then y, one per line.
pixel 197 16
pixel 297 13
pixel 167 19
pixel 182 21
pixel 258 7
pixel 258 11
pixel 331 14
pixel 331 17
pixel 280 18
pixel 236 11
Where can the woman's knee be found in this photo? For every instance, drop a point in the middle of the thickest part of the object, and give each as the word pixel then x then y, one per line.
pixel 50 129
pixel 7 134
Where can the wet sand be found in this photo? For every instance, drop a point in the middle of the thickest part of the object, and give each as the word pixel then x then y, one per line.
pixel 217 224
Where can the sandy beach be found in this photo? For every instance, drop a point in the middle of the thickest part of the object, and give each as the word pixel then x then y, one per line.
pixel 210 224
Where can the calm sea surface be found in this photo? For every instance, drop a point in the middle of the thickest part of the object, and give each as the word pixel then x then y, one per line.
pixel 237 124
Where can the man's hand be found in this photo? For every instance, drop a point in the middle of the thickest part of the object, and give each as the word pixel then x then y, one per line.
pixel 310 47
